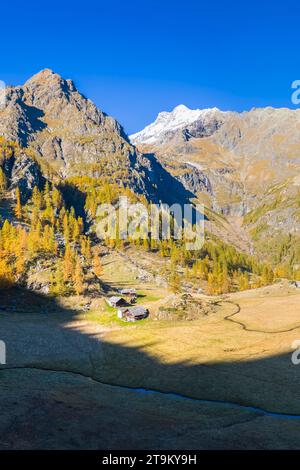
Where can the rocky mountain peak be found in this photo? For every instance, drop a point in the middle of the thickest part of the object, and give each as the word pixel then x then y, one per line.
pixel 49 103
pixel 49 78
pixel 47 86
pixel 60 125
pixel 42 75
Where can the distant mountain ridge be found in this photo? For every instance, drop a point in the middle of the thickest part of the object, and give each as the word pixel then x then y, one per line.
pixel 181 120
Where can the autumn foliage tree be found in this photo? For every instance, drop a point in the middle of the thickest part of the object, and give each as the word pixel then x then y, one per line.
pixel 3 182
pixel 18 205
pixel 78 279
pixel 97 265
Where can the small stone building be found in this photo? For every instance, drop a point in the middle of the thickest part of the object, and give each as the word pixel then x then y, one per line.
pixel 130 294
pixel 133 313
pixel 116 301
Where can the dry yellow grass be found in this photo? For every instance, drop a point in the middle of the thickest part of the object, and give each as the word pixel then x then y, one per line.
pixel 270 314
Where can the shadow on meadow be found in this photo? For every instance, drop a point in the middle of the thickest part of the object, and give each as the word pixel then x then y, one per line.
pixel 62 388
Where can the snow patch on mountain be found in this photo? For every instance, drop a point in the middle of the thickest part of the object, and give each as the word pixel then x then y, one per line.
pixel 170 122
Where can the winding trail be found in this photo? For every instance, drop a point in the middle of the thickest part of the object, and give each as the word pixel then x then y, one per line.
pixel 244 326
pixel 170 395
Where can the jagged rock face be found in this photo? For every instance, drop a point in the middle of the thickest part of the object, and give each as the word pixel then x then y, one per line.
pixel 23 172
pixel 195 180
pixel 18 122
pixel 202 128
pixel 26 174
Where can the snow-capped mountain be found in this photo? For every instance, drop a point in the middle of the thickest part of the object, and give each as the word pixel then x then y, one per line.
pixel 181 122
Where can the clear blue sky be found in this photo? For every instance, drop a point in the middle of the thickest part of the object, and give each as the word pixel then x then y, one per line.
pixel 136 58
